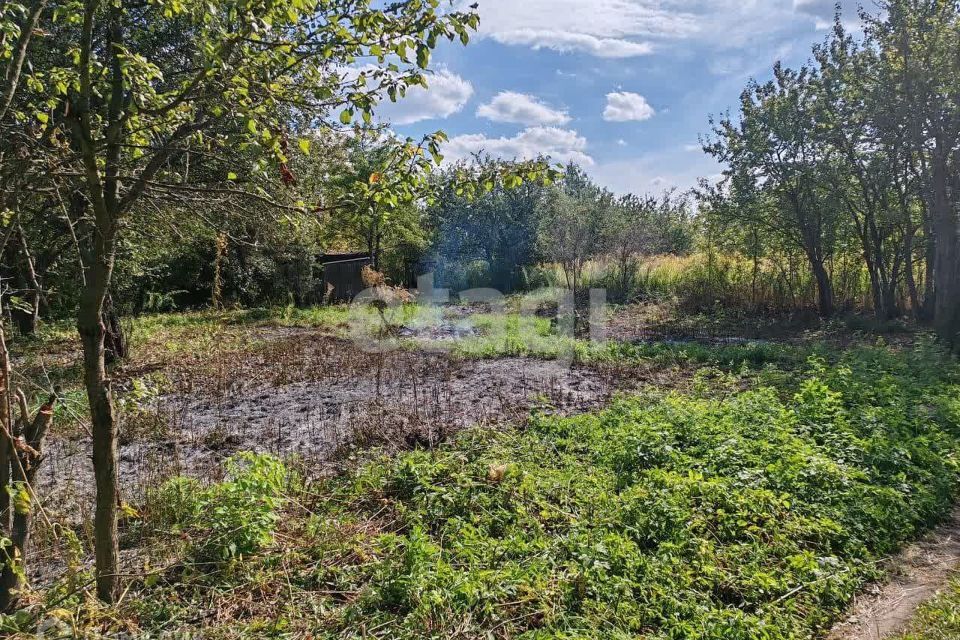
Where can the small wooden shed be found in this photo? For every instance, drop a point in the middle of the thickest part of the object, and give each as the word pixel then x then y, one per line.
pixel 343 275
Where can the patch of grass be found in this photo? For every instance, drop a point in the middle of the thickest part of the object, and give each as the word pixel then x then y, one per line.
pixel 938 619
pixel 752 515
pixel 731 356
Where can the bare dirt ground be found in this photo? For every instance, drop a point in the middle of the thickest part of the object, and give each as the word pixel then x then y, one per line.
pixel 919 572
pixel 319 398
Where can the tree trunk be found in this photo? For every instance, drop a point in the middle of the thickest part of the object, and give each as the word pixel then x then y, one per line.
pixel 910 277
pixel 929 262
pixel 6 428
pixel 825 303
pixel 115 341
pixel 28 318
pixel 25 470
pixel 946 312
pixel 99 394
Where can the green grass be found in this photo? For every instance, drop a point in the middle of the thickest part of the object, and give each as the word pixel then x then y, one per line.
pixel 506 334
pixel 938 619
pixel 715 514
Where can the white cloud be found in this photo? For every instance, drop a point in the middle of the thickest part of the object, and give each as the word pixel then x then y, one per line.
pixel 600 18
pixel 520 108
pixel 621 142
pixel 624 106
pixel 562 145
pixel 603 28
pixel 446 95
pixel 627 28
pixel 567 42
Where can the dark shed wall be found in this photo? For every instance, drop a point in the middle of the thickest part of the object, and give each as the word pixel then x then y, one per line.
pixel 345 277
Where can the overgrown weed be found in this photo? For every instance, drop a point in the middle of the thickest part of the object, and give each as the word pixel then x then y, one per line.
pixel 720 513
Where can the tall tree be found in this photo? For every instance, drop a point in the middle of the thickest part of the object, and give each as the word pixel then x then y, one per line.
pixel 498 226
pixel 865 166
pixel 918 42
pixel 772 151
pixel 575 216
pixel 139 88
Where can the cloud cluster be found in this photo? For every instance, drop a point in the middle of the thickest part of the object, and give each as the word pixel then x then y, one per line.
pixel 562 145
pixel 446 95
pixel 521 108
pixel 568 42
pixel 628 28
pixel 624 106
pixel 602 28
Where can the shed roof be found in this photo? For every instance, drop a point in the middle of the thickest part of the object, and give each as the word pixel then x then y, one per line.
pixel 332 258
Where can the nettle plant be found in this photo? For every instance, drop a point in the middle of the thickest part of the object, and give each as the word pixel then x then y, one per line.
pixel 230 519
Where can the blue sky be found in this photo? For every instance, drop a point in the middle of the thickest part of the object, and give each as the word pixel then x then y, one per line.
pixel 624 87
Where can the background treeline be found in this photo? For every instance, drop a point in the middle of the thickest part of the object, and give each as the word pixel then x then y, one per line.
pixel 505 235
pixel 840 193
pixel 852 164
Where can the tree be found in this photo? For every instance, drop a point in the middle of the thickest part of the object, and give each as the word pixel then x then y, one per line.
pixel 917 41
pixel 497 226
pixel 773 154
pixel 138 89
pixel 373 197
pixel 572 225
pixel 628 235
pixel 861 168
pixel 639 225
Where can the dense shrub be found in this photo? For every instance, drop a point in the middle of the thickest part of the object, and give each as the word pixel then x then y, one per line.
pixel 756 515
pixel 231 518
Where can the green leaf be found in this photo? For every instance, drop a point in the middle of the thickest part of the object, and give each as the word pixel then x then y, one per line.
pixel 346 116
pixel 42 117
pixel 423 56
pixel 231 176
pixel 304 144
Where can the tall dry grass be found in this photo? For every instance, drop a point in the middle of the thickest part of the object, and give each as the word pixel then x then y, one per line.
pixel 708 281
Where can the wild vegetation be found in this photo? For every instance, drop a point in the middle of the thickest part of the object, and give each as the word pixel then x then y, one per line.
pixel 752 505
pixel 939 619
pixel 759 407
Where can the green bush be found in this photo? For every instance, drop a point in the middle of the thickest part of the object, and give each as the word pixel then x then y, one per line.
pixel 728 512
pixel 235 517
pixel 754 516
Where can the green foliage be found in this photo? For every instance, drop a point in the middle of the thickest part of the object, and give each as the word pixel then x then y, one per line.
pixel 730 510
pixel 485 237
pixel 228 519
pixel 755 516
pixel 938 619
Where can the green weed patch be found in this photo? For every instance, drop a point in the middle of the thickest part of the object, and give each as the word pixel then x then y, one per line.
pixel 747 515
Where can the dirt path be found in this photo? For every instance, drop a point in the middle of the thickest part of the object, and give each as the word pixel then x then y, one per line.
pixel 920 571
